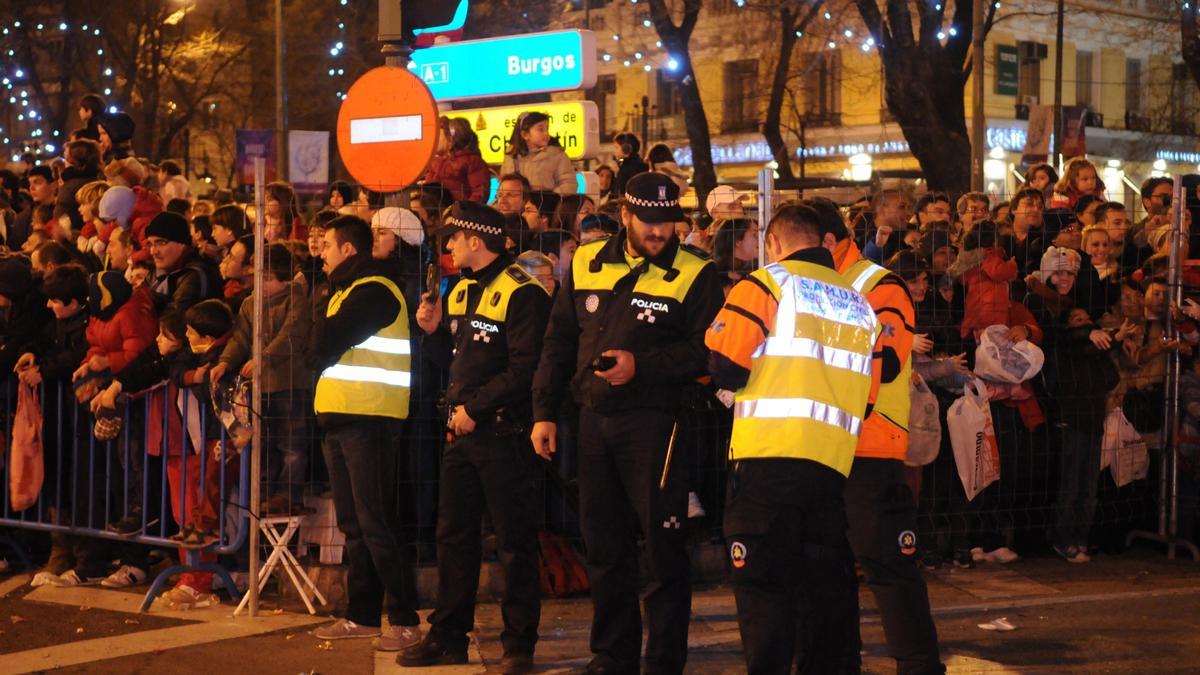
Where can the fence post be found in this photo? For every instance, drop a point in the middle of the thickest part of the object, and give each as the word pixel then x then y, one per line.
pixel 256 388
pixel 766 206
pixel 1168 489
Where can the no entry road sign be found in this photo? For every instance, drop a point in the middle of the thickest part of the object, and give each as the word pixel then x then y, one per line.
pixel 575 123
pixel 387 129
pixel 520 64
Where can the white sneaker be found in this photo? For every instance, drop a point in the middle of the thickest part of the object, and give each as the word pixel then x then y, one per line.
pixel 1003 555
pixel 125 577
pixel 71 578
pixel 695 508
pixel 43 579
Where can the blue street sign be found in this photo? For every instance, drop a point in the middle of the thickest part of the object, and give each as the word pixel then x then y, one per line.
pixel 521 64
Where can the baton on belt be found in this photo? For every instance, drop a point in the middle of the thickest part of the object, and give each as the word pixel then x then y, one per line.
pixel 662 482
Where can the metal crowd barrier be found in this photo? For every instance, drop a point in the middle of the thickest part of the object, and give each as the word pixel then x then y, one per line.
pixel 65 504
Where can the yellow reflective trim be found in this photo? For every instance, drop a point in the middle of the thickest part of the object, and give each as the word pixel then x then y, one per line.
pixel 341 371
pixel 385 345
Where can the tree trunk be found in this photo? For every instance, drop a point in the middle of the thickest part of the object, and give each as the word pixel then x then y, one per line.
pixel 675 40
pixel 927 103
pixel 1190 40
pixel 770 128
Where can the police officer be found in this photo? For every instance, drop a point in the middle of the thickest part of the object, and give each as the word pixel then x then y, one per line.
pixel 880 505
pixel 626 333
pixel 794 343
pixel 496 315
pixel 362 351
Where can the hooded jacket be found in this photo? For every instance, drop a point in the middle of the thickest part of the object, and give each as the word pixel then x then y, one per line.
pixel 193 279
pixel 986 275
pixel 126 333
pixel 463 173
pixel 546 168
pixel 285 339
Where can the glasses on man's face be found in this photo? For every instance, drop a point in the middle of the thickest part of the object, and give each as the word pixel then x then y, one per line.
pixel 503 194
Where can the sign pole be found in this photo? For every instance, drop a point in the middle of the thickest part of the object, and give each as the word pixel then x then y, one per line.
pixel 977 111
pixel 391 34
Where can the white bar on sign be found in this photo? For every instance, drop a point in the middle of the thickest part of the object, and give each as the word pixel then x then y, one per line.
pixel 385 129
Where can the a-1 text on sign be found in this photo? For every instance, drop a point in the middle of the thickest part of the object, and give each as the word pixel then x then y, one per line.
pixel 576 124
pixel 387 129
pixel 522 64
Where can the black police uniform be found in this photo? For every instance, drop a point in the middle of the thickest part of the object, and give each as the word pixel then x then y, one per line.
pixel 657 309
pixel 495 318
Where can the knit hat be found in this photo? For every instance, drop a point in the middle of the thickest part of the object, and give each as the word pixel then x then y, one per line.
pixel 16 276
pixel 118 125
pixel 107 292
pixel 128 172
pixel 653 198
pixel 401 222
pixel 933 239
pixel 117 204
pixel 1054 221
pixel 170 226
pixel 1058 259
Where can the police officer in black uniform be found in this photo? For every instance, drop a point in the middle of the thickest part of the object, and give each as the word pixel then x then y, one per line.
pixel 626 334
pixel 494 318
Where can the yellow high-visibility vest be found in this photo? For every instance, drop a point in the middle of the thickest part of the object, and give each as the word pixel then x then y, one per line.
pixel 373 377
pixel 893 402
pixel 810 381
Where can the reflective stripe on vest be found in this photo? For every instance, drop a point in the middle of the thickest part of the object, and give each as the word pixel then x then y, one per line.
pixel 799 407
pixel 811 379
pixel 885 433
pixel 373 377
pixel 863 282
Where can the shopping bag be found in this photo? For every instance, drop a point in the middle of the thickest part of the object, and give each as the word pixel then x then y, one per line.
pixel 924 427
pixel 973 439
pixel 26 468
pixel 999 360
pixel 1123 452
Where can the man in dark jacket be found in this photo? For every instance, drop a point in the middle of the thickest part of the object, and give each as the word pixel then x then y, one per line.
pixel 42 187
pixel 362 351
pixel 496 315
pixel 182 277
pixel 23 311
pixel 627 333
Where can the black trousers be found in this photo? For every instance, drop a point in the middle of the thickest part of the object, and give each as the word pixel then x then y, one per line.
pixel 621 458
pixel 499 472
pixel 791 567
pixel 883 525
pixel 361 469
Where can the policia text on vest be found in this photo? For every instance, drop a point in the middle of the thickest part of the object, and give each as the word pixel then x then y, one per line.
pixel 656 309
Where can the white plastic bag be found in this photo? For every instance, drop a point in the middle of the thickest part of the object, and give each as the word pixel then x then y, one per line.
pixel 973 438
pixel 998 360
pixel 1123 452
pixel 924 427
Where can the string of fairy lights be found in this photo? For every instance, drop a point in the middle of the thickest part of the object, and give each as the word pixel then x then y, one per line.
pixel 24 126
pixel 633 50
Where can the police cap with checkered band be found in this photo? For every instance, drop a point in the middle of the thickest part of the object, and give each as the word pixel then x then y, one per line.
pixel 653 198
pixel 482 221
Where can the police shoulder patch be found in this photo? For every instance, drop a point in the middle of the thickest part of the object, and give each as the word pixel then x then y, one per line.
pixel 696 251
pixel 518 275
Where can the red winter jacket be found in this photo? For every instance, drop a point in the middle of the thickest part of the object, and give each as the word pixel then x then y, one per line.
pixel 127 333
pixel 986 275
pixel 463 173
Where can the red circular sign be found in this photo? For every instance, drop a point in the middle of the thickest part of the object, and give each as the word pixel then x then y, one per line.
pixel 387 129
